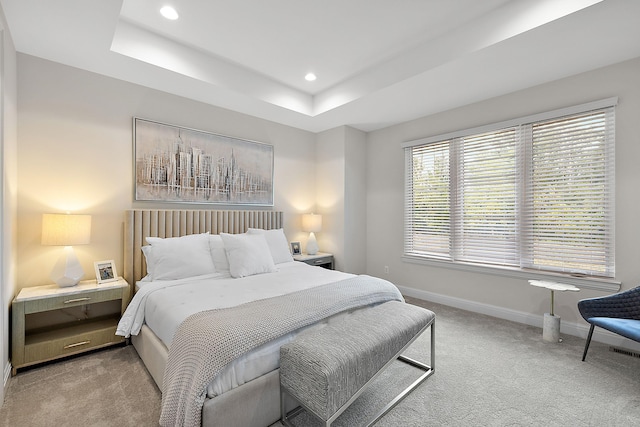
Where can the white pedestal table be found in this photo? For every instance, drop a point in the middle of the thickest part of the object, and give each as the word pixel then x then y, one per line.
pixel 551 324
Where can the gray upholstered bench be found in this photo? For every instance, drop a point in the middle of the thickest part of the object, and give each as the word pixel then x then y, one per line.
pixel 325 370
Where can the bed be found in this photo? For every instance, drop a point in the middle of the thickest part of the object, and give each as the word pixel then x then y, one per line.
pixel 245 392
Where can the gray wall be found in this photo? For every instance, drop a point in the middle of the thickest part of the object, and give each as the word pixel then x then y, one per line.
pixel 497 295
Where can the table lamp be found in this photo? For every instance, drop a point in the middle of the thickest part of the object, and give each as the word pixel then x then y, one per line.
pixel 312 223
pixel 66 230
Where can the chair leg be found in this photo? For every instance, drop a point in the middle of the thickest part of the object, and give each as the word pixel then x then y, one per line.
pixel 586 347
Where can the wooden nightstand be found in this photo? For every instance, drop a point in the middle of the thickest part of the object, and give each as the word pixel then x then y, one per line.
pixel 50 322
pixel 320 259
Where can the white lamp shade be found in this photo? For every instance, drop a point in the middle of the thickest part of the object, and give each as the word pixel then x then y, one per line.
pixel 66 230
pixel 311 223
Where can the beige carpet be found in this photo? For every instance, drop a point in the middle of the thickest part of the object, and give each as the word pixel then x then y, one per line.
pixel 489 372
pixel 109 387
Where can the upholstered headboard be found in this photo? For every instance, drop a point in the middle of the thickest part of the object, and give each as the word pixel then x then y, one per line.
pixel 142 223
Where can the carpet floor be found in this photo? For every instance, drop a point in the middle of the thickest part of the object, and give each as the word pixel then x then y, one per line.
pixel 105 388
pixel 489 372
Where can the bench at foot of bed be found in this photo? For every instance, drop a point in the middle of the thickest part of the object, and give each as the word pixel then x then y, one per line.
pixel 326 370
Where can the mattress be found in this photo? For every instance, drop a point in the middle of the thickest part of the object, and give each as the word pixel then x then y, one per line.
pixel 167 304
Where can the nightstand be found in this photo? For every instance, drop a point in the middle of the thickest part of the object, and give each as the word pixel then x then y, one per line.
pixel 50 322
pixel 320 259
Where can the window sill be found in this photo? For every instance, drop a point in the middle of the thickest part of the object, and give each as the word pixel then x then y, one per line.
pixel 594 283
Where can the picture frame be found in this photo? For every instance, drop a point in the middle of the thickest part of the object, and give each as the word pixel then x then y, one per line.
pixel 105 271
pixel 178 164
pixel 295 248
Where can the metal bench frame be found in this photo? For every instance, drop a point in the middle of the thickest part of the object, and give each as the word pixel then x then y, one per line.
pixel 428 371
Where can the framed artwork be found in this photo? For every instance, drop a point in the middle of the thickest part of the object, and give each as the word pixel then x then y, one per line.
pixel 295 248
pixel 105 271
pixel 177 164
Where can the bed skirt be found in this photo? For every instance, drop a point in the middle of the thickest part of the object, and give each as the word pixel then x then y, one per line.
pixel 254 404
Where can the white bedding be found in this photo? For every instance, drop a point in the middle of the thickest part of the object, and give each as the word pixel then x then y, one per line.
pixel 164 305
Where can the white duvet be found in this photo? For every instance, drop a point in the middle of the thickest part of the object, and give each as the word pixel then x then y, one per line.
pixel 163 305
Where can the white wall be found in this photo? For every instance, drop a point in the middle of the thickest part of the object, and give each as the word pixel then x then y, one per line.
pixel 76 153
pixel 355 194
pixel 8 183
pixel 385 183
pixel 329 190
pixel 341 196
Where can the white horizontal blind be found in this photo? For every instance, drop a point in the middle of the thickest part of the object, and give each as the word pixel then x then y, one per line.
pixel 427 200
pixel 535 194
pixel 569 206
pixel 486 198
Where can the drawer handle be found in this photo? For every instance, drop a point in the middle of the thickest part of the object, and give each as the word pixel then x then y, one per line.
pixel 77 300
pixel 319 261
pixel 77 344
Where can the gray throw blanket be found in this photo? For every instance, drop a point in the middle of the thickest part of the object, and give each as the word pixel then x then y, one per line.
pixel 207 341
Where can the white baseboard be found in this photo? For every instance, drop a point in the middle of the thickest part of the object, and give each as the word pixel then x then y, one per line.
pixel 7 376
pixel 579 330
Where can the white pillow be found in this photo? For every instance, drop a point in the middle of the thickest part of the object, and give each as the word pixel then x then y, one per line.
pixel 218 253
pixel 148 256
pixel 248 254
pixel 277 242
pixel 178 257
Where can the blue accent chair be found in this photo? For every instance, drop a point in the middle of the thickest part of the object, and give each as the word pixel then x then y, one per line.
pixel 618 313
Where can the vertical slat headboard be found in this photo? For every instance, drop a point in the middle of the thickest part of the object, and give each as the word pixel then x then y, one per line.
pixel 142 223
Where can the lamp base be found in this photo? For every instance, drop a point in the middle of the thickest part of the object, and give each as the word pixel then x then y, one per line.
pixel 312 244
pixel 67 271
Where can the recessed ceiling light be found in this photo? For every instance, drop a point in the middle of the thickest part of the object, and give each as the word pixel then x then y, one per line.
pixel 169 13
pixel 310 77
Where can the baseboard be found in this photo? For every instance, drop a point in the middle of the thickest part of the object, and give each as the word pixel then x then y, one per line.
pixel 7 376
pixel 579 330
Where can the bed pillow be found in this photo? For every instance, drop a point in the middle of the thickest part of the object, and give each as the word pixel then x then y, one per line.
pixel 277 242
pixel 218 253
pixel 248 254
pixel 148 256
pixel 178 257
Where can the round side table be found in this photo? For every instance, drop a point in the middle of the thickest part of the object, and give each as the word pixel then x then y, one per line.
pixel 551 324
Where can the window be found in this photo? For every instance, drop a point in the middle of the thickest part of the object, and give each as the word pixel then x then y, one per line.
pixel 533 193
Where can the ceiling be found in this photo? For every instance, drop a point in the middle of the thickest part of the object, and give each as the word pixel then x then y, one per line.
pixel 378 62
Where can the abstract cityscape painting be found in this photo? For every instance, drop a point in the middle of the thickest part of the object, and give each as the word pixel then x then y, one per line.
pixel 177 164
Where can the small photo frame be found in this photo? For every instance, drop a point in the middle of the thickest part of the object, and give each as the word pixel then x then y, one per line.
pixel 105 271
pixel 295 248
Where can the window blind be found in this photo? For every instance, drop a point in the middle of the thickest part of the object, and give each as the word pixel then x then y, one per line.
pixel 427 200
pixel 486 198
pixel 568 214
pixel 537 193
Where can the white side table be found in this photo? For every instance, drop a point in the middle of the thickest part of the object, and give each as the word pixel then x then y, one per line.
pixel 551 324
